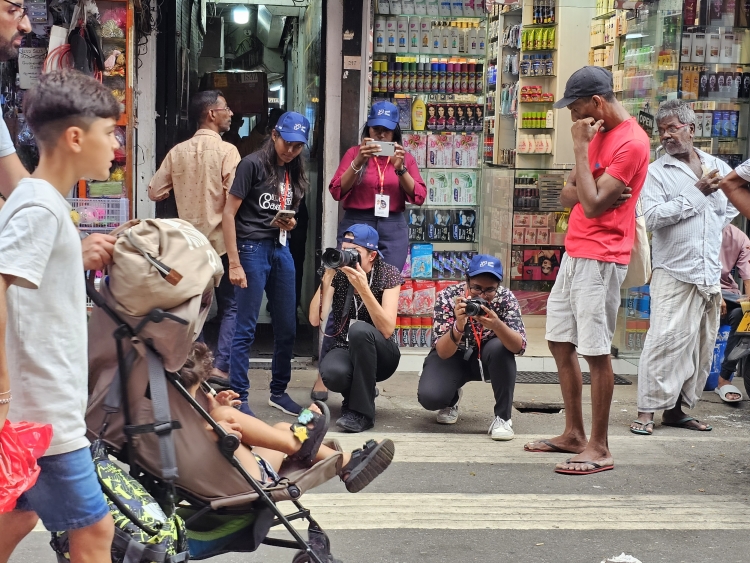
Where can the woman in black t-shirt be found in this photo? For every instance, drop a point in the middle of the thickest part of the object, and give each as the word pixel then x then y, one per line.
pixel 267 181
pixel 364 350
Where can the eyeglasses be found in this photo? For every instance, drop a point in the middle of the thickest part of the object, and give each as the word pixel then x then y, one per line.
pixel 486 291
pixel 24 10
pixel 672 129
pixel 225 108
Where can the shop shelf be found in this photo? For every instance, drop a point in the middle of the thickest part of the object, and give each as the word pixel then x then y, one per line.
pixel 100 215
pixel 605 16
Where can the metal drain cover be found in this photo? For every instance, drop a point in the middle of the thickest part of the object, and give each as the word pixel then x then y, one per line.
pixel 550 377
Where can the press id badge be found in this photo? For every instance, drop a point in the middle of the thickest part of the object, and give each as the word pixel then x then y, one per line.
pixel 282 237
pixel 382 205
pixel 351 323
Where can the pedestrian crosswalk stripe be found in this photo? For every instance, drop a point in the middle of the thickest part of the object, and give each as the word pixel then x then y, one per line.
pixel 479 448
pixel 440 511
pixel 363 511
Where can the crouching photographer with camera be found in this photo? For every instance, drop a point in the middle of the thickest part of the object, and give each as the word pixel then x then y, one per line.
pixel 360 290
pixel 477 331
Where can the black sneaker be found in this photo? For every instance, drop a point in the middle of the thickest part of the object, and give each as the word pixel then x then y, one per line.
pixel 352 421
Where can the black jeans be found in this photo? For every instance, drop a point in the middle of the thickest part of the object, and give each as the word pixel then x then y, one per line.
pixel 354 371
pixel 441 379
pixel 732 318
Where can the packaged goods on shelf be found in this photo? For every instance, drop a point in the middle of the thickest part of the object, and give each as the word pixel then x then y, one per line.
pixel 463 225
pixel 421 260
pixel 439 190
pixel 440 150
pixel 405 298
pixel 416 220
pixel 438 225
pixel 466 151
pixel 423 302
pixel 416 145
pixel 464 187
pixel 404 112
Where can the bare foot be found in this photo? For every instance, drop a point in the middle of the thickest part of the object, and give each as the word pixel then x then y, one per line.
pixel 559 444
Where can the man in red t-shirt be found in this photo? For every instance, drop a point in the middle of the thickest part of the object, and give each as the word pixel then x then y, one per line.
pixel 612 154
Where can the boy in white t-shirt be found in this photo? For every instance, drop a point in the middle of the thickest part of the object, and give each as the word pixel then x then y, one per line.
pixel 43 312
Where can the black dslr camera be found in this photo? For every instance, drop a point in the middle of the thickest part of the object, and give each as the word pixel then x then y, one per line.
pixel 474 307
pixel 334 258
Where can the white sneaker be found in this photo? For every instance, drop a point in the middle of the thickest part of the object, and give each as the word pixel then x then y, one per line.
pixel 501 429
pixel 449 415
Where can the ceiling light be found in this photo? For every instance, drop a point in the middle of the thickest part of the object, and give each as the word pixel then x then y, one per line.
pixel 241 15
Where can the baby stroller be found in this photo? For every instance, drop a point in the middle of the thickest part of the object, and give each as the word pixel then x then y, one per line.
pixel 148 420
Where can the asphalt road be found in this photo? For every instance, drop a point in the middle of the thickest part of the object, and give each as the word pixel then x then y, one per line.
pixel 452 495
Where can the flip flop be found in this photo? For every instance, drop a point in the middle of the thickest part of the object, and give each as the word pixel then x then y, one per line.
pixel 683 424
pixel 722 392
pixel 553 449
pixel 642 431
pixel 597 468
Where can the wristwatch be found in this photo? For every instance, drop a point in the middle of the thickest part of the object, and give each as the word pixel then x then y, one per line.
pixel 402 171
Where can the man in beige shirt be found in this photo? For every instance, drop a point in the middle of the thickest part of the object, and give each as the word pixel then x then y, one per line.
pixel 201 171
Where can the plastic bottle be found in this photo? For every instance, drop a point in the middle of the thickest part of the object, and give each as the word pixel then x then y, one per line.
pixel 396 7
pixel 457 8
pixel 418 114
pixel 445 39
pixel 454 39
pixel 435 37
pixel 469 9
pixel 445 8
pixel 425 25
pixel 414 42
pixel 384 7
pixel 407 7
pixel 433 7
pixel 420 7
pixel 402 30
pixel 479 88
pixel 379 46
pixel 473 40
pixel 390 34
pixel 481 39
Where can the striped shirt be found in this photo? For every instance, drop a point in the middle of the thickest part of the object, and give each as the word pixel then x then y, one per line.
pixel 686 225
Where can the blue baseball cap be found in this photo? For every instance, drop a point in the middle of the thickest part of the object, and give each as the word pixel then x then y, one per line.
pixel 485 264
pixel 364 236
pixel 383 114
pixel 293 127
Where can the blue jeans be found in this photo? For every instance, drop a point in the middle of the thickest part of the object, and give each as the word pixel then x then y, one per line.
pixel 227 304
pixel 268 266
pixel 67 494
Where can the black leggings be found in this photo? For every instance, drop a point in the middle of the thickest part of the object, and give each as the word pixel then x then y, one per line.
pixel 732 318
pixel 441 379
pixel 354 371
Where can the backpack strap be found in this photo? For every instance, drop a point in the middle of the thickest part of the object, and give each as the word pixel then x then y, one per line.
pixel 163 425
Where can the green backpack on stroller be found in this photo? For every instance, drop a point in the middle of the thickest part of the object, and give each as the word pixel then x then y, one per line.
pixel 143 532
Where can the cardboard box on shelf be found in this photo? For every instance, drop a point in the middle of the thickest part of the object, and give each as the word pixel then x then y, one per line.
pixel 440 150
pixel 438 223
pixel 416 145
pixel 421 260
pixel 464 187
pixel 466 150
pixel 521 220
pixel 246 92
pixel 463 225
pixel 519 235
pixel 530 236
pixel 438 187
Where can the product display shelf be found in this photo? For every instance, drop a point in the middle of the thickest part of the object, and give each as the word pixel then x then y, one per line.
pixel 434 133
pixel 103 205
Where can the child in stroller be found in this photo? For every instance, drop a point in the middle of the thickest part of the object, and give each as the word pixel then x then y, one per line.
pixel 263 447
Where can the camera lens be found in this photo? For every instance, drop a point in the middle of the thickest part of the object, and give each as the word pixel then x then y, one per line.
pixel 474 307
pixel 334 258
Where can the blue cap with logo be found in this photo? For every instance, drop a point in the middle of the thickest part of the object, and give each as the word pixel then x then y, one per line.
pixel 485 264
pixel 293 127
pixel 364 236
pixel 383 114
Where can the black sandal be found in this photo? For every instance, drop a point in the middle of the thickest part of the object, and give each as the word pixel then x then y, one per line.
pixel 366 464
pixel 311 438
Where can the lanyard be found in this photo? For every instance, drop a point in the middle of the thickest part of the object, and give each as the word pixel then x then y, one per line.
pixel 381 173
pixel 282 203
pixel 477 337
pixel 358 307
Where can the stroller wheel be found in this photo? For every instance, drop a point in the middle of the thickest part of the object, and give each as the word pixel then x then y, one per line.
pixel 302 557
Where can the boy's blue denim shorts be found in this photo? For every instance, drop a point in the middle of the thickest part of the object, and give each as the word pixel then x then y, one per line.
pixel 67 494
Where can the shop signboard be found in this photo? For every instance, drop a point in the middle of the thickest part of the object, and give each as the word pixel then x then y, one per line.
pixel 646 120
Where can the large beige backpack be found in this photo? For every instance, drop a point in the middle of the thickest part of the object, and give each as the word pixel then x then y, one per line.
pixel 161 263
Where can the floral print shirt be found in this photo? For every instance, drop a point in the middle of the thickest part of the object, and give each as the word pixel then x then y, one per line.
pixel 382 276
pixel 504 304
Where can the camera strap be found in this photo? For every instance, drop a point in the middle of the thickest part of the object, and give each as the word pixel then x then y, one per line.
pixel 282 205
pixel 381 172
pixel 478 338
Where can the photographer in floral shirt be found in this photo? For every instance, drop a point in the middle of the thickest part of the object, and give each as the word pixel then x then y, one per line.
pixel 477 331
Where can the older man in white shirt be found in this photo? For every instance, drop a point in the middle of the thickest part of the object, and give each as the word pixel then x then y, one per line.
pixel 686 215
